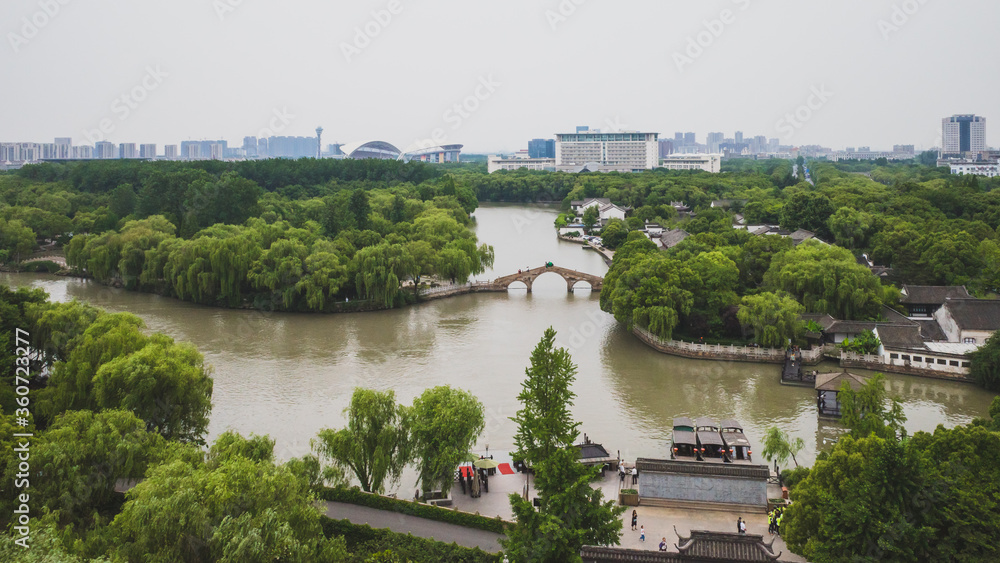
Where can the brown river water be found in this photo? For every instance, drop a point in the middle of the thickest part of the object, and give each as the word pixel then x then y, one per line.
pixel 289 375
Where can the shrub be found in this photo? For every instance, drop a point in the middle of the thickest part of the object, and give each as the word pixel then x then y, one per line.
pixel 354 495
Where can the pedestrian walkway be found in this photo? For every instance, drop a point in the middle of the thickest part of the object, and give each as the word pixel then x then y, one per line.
pixel 421 527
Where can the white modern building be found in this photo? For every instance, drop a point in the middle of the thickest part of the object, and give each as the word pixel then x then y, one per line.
pixel 495 163
pixel 963 134
pixel 625 151
pixel 978 168
pixel 707 162
pixel 147 150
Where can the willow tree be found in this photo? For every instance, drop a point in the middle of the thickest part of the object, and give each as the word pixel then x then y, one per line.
pixel 376 443
pixel 774 318
pixel 381 268
pixel 444 425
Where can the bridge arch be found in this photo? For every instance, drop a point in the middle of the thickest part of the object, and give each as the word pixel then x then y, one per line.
pixel 572 277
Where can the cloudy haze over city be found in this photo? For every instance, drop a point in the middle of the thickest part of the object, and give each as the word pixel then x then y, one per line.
pixel 491 75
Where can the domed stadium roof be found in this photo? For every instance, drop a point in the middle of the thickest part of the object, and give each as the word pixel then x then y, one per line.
pixel 371 149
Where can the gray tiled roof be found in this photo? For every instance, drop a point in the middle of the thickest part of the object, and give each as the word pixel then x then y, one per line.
pixel 672 237
pixel 701 545
pixel 932 294
pixel 975 314
pixel 901 336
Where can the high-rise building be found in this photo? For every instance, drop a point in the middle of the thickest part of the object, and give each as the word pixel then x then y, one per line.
pixel 689 139
pixel 191 151
pixel 170 152
pixel 105 149
pixel 319 142
pixel 963 135
pixel 666 148
pixel 262 149
pixel 678 140
pixel 739 137
pixel 147 150
pixel 250 147
pixel 127 150
pixel 48 151
pixel 83 152
pixel 291 147
pixel 64 147
pixel 714 140
pixel 542 148
pixel 582 128
pixel 625 151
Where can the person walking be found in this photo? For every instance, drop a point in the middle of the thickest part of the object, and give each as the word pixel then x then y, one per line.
pixel 642 533
pixel 635 519
pixel 663 544
pixel 635 475
pixel 621 474
pixel 739 522
pixel 770 522
pixel 743 527
pixel 777 523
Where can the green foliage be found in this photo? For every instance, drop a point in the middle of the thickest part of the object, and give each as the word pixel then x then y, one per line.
pixel 614 234
pixel 376 443
pixel 165 384
pixel 236 509
pixel 365 543
pixel 986 363
pixel 778 446
pixel 827 279
pixel 773 318
pixel 572 512
pixel 865 343
pixel 590 218
pixel 444 424
pixel 16 240
pixel 930 498
pixel 865 412
pixel 354 495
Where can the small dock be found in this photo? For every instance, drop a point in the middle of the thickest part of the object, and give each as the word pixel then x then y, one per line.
pixel 792 372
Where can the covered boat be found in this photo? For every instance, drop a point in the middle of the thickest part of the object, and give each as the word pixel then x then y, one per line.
pixel 710 444
pixel 684 443
pixel 737 444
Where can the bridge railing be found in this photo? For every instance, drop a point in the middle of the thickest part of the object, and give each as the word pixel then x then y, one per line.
pixel 454 287
pixel 724 350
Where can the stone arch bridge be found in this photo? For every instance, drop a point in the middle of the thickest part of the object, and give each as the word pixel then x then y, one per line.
pixel 528 277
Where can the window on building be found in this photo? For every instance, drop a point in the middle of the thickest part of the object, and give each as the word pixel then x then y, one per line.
pixel 917 359
pixel 893 356
pixel 966 364
pixel 969 340
pixel 953 363
pixel 942 362
pixel 906 357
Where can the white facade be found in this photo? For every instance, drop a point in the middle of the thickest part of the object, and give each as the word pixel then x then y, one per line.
pixel 495 163
pixel 127 150
pixel 952 137
pixel 988 169
pixel 707 162
pixel 147 150
pixel 627 150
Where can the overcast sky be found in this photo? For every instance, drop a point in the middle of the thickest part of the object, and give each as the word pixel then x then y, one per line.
pixel 211 69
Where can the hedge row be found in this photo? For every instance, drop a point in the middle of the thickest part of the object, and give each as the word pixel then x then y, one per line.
pixel 363 541
pixel 354 495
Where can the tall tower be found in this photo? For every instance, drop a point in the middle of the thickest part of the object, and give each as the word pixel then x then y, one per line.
pixel 319 143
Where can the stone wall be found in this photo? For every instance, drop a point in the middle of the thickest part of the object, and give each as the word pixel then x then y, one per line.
pixel 686 481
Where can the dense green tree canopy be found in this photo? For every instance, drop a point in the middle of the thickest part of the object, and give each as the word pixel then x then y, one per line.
pixel 376 444
pixel 444 424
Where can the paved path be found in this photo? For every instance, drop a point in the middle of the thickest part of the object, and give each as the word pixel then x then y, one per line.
pixel 422 527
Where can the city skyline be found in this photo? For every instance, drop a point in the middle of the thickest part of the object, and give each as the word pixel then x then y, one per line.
pixel 731 65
